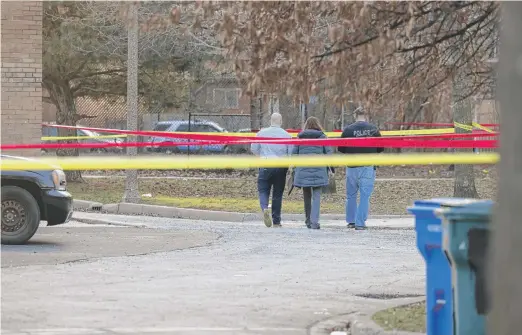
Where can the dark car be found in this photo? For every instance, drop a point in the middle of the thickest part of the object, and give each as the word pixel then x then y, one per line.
pixel 29 197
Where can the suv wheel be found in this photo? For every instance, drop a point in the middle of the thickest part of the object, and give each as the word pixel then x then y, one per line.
pixel 20 215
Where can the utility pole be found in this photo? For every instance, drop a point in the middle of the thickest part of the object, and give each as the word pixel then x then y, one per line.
pixel 131 193
pixel 505 267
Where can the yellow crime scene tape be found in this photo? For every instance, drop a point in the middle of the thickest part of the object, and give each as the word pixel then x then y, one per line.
pixel 58 138
pixel 473 125
pixel 251 134
pixel 245 162
pixel 462 126
pixel 337 134
pixel 481 127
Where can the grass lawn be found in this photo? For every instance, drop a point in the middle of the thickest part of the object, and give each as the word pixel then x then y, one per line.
pixel 240 195
pixel 410 318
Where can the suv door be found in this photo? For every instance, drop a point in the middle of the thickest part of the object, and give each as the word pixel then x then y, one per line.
pixel 184 128
pixel 206 128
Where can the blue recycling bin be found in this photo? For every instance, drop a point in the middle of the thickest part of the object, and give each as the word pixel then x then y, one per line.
pixel 428 227
pixel 465 241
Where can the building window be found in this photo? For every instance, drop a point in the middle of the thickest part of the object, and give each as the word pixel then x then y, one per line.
pixel 226 97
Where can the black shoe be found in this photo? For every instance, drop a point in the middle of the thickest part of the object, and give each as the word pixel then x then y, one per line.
pixel 351 225
pixel 276 225
pixel 315 227
pixel 361 228
pixel 308 225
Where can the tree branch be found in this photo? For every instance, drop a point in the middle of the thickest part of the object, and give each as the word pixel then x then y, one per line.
pixel 459 32
pixel 99 73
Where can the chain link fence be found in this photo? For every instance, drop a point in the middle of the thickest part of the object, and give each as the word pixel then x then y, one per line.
pixel 219 100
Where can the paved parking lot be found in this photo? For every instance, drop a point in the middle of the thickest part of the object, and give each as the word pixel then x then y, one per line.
pixel 200 277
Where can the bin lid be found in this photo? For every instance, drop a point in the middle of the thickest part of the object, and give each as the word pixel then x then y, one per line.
pixel 478 209
pixel 444 202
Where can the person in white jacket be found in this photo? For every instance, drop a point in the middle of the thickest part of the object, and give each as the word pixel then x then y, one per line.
pixel 272 179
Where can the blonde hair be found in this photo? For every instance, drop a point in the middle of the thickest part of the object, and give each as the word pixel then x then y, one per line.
pixel 313 123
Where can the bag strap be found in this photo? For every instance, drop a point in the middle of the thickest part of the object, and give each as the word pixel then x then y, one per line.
pixel 328 168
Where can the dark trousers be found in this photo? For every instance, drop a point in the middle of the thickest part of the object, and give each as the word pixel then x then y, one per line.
pixel 273 179
pixel 312 205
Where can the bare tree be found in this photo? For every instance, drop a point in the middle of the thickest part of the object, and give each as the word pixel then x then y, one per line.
pixel 85 54
pixel 368 51
pixel 464 185
pixel 386 55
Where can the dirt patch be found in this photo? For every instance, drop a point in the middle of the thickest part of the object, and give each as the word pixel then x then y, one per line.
pixel 240 195
pixel 412 171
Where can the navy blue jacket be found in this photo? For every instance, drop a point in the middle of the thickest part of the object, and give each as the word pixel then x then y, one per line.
pixel 360 129
pixel 311 176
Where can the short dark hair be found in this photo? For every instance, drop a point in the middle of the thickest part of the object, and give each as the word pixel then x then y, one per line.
pixel 359 111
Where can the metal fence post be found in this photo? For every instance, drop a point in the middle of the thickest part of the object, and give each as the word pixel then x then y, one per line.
pixel 189 129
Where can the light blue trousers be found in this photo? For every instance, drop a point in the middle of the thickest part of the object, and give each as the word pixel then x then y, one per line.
pixel 359 180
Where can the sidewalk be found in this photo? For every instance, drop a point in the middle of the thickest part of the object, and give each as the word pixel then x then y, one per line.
pixel 152 221
pixel 392 221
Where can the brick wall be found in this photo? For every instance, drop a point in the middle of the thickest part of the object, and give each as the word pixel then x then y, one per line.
pixel 21 112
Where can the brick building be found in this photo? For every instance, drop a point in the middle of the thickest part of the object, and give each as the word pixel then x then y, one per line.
pixel 21 38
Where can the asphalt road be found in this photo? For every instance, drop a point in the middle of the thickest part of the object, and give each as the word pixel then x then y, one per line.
pixel 187 277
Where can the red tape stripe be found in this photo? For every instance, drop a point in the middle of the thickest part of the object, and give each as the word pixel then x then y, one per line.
pixel 234 138
pixel 426 124
pixel 345 142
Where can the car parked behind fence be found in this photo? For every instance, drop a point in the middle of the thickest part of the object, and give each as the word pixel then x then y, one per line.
pixel 88 137
pixel 183 126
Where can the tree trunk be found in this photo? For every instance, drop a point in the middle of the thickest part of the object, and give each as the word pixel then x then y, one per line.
pixel 66 115
pixel 464 184
pixel 506 266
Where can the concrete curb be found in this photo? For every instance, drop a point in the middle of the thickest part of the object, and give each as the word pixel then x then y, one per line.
pixel 199 214
pixel 86 205
pixel 105 222
pixel 361 323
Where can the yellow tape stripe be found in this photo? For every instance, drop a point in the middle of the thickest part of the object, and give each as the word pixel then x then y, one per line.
pixel 245 162
pixel 57 138
pixel 337 134
pixel 418 132
pixel 463 126
pixel 481 127
pixel 329 134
